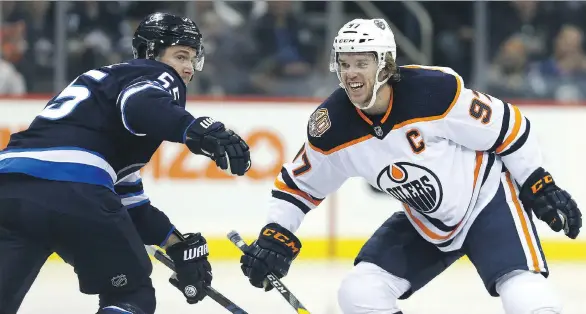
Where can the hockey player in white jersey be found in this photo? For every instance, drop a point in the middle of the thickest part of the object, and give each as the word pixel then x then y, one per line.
pixel 465 165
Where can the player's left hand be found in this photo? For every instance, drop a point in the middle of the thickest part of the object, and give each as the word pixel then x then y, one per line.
pixel 194 272
pixel 551 204
pixel 211 138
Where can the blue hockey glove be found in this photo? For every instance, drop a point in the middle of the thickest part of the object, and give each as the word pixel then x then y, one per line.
pixel 551 204
pixel 211 138
pixel 273 251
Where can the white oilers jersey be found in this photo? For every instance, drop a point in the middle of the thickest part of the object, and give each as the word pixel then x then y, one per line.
pixel 439 149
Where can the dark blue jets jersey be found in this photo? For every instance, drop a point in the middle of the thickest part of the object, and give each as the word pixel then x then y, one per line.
pixel 102 129
pixel 104 126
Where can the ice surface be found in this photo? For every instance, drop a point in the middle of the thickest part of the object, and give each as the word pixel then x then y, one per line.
pixel 459 290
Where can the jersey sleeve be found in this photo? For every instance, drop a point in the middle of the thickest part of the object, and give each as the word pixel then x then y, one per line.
pixel 485 123
pixel 302 185
pixel 149 108
pixel 153 226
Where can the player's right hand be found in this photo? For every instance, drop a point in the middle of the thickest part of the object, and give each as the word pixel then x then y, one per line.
pixel 551 204
pixel 273 252
pixel 210 138
pixel 193 271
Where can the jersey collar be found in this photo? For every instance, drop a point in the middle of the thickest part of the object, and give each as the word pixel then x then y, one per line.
pixel 379 126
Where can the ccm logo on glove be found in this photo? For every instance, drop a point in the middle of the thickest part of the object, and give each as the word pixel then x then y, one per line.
pixel 281 238
pixel 195 252
pixel 539 184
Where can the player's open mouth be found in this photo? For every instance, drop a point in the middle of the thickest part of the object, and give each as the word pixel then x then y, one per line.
pixel 355 86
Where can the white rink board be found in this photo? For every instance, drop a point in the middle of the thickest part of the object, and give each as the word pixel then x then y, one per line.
pixel 241 204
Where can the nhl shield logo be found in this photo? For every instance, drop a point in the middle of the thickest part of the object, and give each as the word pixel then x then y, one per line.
pixel 413 185
pixel 378 131
pixel 119 281
pixel 380 24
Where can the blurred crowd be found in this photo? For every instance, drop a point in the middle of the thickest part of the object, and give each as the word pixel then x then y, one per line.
pixel 535 49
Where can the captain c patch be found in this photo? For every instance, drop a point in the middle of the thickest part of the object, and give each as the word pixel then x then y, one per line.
pixel 319 122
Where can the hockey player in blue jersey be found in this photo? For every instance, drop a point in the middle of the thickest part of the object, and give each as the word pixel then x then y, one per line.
pixel 70 183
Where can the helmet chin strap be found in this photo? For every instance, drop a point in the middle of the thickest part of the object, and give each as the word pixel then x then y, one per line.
pixel 375 89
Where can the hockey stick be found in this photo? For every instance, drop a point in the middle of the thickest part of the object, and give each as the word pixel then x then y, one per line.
pixel 271 278
pixel 211 292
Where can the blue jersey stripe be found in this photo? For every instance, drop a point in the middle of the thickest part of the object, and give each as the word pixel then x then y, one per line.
pixel 58 171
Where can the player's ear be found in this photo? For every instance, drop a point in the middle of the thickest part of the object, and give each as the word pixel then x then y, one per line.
pixel 384 74
pixel 160 52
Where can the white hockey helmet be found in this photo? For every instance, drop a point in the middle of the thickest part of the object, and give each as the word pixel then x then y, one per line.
pixel 361 35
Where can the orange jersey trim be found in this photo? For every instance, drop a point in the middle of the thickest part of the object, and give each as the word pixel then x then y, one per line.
pixel 519 209
pixel 283 187
pixel 385 117
pixel 426 230
pixel 443 115
pixel 339 147
pixel 514 133
pixel 479 156
pixel 388 113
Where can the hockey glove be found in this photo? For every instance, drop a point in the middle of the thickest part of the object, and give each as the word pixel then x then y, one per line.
pixel 193 271
pixel 551 204
pixel 273 251
pixel 210 138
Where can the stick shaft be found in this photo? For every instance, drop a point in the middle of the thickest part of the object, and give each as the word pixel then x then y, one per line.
pixel 271 278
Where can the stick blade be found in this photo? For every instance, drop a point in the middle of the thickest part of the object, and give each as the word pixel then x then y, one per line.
pixel 233 236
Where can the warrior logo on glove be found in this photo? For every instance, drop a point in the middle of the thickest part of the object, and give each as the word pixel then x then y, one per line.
pixel 196 252
pixel 194 272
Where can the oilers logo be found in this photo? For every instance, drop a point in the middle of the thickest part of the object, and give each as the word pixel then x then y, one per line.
pixel 413 185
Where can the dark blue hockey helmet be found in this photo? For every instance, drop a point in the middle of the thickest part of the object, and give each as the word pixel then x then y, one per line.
pixel 160 30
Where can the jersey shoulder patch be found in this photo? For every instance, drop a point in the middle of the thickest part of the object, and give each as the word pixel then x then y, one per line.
pixel 335 124
pixel 319 122
pixel 424 92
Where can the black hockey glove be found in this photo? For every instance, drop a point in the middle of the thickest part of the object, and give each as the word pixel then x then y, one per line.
pixel 551 204
pixel 273 251
pixel 193 271
pixel 210 138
